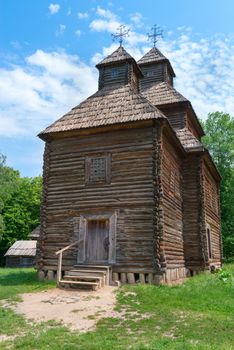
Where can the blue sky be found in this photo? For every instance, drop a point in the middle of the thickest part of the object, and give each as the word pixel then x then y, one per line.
pixel 48 52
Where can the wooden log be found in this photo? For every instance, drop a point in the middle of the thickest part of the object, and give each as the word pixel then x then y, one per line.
pixel 142 278
pixel 41 275
pixel 131 278
pixel 123 277
pixel 115 276
pixel 50 275
pixel 150 278
pixel 59 271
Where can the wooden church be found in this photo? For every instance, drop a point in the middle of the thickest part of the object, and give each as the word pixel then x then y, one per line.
pixel 130 193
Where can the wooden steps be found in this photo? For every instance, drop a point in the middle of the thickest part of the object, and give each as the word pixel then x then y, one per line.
pixel 86 276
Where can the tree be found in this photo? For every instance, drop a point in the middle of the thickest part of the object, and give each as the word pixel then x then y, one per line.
pixel 9 181
pixel 219 139
pixel 20 199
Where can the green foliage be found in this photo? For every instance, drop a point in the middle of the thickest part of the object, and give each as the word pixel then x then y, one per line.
pixel 196 315
pixel 19 205
pixel 219 139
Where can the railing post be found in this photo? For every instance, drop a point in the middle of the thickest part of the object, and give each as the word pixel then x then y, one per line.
pixel 59 272
pixel 60 258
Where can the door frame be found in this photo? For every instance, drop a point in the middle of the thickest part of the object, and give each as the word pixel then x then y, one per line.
pixel 84 218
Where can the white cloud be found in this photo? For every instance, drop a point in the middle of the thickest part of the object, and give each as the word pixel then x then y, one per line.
pixel 50 83
pixel 78 32
pixel 83 15
pixel 54 8
pixel 105 13
pixel 69 12
pixel 204 71
pixel 108 22
pixel 204 66
pixel 61 30
pixel 48 86
pixel 137 19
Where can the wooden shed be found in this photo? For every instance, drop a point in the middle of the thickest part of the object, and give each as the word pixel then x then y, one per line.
pixel 21 254
pixel 129 189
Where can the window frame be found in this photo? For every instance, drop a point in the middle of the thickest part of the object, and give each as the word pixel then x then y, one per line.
pixel 88 160
pixel 114 72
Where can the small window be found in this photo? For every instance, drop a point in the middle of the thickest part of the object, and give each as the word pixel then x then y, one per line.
pixel 209 247
pixel 149 73
pixel 97 169
pixel 114 72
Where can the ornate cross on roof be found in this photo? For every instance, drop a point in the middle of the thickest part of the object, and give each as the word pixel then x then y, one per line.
pixel 120 34
pixel 156 33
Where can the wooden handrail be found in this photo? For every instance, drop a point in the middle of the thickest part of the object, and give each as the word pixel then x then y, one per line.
pixel 60 258
pixel 69 246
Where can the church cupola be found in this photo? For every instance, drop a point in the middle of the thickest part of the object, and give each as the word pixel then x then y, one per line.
pixel 119 69
pixel 156 68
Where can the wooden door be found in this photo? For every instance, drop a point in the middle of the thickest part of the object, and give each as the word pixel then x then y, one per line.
pixel 97 241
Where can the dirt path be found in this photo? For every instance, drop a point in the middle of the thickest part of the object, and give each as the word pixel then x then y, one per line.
pixel 79 310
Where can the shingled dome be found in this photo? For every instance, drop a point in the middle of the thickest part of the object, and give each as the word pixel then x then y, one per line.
pixel 153 56
pixel 117 56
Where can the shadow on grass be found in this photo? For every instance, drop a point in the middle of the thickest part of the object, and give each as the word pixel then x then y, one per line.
pixel 18 278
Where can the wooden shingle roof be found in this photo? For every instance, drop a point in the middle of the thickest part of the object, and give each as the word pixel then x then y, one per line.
pixel 163 94
pixel 188 140
pixel 155 56
pixel 106 107
pixel 22 248
pixel 117 56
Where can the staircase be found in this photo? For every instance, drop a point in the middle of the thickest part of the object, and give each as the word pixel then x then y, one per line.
pixel 86 276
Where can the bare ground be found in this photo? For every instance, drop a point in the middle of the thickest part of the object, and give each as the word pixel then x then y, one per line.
pixel 78 310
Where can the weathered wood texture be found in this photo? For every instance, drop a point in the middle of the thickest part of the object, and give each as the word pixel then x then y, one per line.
pixel 113 75
pixel 176 116
pixel 171 175
pixel 130 192
pixel 152 73
pixel 211 217
pixel 20 261
pixel 192 212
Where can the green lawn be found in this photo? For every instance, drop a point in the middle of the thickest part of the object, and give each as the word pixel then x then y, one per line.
pixel 196 315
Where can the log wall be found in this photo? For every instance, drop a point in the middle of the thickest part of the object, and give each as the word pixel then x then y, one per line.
pixel 130 194
pixel 176 116
pixel 172 240
pixel 153 73
pixel 113 75
pixel 211 218
pixel 192 209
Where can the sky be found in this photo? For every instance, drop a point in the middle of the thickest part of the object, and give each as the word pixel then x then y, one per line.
pixel 49 49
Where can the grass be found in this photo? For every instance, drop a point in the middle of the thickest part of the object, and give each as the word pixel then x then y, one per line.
pixel 15 281
pixel 196 315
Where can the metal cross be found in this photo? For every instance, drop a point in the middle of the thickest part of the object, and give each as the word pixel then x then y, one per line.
pixel 156 33
pixel 120 34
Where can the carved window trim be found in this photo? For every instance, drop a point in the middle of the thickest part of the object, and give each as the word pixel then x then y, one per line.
pixel 89 171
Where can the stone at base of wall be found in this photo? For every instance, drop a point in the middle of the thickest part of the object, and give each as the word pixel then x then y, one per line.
pixel 46 275
pixel 167 277
pixel 173 275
